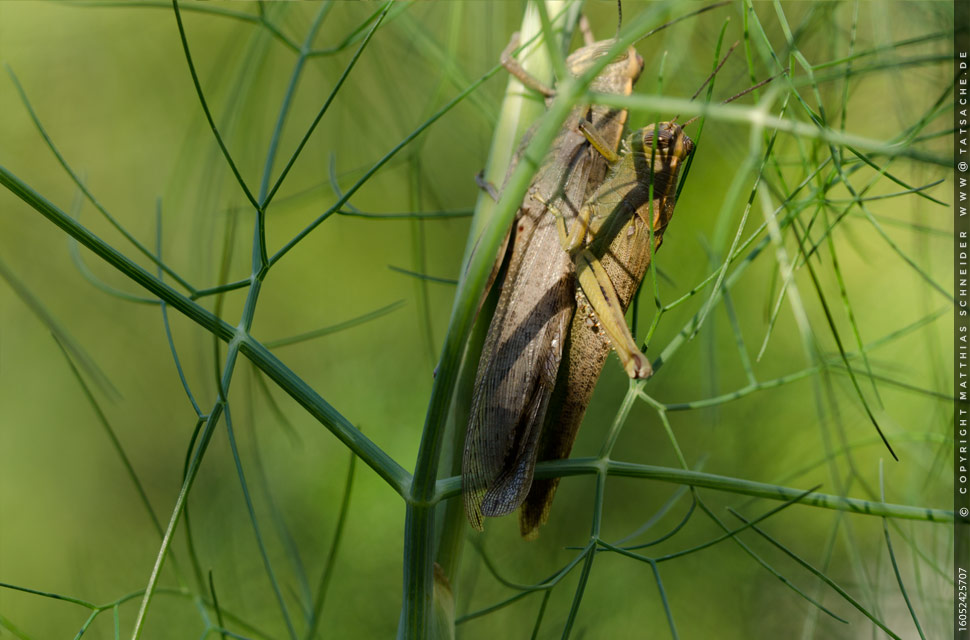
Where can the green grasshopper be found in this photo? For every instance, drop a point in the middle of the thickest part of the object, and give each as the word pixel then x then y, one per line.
pixel 612 242
pixel 522 351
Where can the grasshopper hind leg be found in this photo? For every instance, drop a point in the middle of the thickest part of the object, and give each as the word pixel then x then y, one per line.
pixel 602 296
pixel 599 290
pixel 516 69
pixel 588 38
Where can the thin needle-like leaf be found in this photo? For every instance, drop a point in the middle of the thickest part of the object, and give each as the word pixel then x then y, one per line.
pixel 892 558
pixel 316 615
pixel 335 328
pixel 824 578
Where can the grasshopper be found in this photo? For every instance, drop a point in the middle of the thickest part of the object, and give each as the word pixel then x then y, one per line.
pixel 524 345
pixel 613 241
pixel 615 235
pixel 539 352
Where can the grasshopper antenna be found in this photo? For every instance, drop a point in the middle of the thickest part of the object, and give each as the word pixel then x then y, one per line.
pixel 716 69
pixel 741 94
pixel 756 86
pixel 619 17
pixel 711 77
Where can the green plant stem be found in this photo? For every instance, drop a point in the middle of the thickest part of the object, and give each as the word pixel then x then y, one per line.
pixel 372 455
pixel 448 487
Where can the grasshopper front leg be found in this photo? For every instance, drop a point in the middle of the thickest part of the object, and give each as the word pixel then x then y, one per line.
pixel 518 71
pixel 586 225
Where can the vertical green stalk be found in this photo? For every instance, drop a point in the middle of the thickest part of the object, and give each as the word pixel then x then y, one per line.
pixel 518 110
pixel 492 219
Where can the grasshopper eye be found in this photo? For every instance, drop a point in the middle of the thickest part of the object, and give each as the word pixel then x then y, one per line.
pixel 647 136
pixel 673 138
pixel 668 135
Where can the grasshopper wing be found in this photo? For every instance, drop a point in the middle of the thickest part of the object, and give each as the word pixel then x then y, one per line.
pixel 517 372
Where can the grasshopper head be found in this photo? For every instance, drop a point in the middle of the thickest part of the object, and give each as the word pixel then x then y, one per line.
pixel 671 142
pixel 657 154
pixel 617 77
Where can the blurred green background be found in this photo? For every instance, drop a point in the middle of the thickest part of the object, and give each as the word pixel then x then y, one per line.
pixel 111 87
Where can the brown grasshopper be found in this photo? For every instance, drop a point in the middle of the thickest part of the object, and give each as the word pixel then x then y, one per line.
pixel 540 360
pixel 613 241
pixel 522 351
